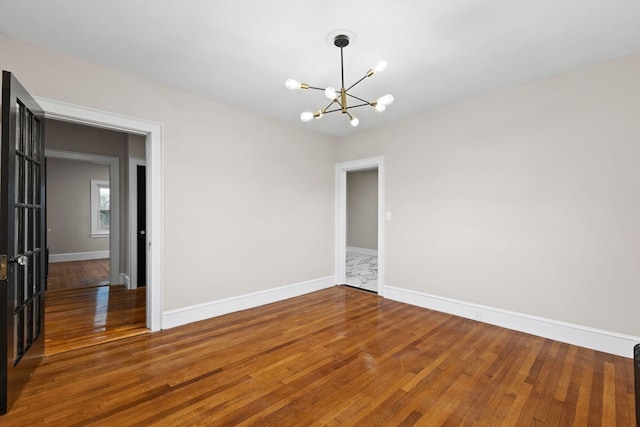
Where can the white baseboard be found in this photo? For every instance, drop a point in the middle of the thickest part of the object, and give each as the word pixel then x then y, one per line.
pixel 362 251
pixel 583 336
pixel 78 256
pixel 183 316
pixel 124 280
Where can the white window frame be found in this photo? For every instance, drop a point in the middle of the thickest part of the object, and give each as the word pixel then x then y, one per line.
pixel 96 184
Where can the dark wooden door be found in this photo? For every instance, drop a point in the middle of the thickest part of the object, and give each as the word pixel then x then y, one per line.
pixel 22 239
pixel 141 220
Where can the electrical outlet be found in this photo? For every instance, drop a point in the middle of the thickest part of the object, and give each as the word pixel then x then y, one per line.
pixel 477 315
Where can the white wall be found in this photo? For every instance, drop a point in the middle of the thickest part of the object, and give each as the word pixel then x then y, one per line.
pixel 526 199
pixel 248 202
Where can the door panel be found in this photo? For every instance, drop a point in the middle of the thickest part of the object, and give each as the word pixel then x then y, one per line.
pixel 22 238
pixel 141 221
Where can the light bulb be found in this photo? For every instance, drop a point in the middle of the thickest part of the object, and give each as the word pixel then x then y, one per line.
pixel 354 121
pixel 380 107
pixel 306 116
pixel 292 84
pixel 385 100
pixel 380 66
pixel 330 93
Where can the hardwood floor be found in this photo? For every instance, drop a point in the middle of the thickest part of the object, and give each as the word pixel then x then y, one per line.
pixel 339 356
pixel 77 274
pixel 77 318
pixel 79 313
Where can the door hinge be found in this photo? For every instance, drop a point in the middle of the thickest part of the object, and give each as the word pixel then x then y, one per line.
pixel 3 267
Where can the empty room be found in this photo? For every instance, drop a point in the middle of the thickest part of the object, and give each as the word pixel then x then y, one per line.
pixel 368 213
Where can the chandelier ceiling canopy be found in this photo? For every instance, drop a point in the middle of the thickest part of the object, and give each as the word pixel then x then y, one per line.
pixel 341 96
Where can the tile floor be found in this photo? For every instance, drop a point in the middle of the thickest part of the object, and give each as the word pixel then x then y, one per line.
pixel 362 271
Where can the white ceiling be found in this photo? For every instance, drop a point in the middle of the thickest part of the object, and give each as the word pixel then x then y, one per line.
pixel 240 52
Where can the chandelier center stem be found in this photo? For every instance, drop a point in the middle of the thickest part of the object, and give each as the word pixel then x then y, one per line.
pixel 342 68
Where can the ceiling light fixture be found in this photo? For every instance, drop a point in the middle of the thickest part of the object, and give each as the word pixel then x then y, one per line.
pixel 340 97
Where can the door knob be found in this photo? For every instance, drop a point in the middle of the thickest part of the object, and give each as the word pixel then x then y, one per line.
pixel 20 259
pixel 142 232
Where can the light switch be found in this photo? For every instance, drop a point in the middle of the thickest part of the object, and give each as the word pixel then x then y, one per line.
pixel 387 215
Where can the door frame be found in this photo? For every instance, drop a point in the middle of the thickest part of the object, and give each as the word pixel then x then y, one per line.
pixel 376 162
pixel 114 205
pixel 134 162
pixel 152 131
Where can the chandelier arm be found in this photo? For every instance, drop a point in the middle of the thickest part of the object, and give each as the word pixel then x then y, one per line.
pixel 316 88
pixel 359 105
pixel 330 104
pixel 347 90
pixel 340 109
pixel 335 101
pixel 348 108
pixel 359 99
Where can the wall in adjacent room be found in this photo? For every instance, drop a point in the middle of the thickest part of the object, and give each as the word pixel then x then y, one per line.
pixel 68 206
pixel 77 138
pixel 362 209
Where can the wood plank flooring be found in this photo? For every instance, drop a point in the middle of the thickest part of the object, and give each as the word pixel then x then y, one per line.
pixel 77 318
pixel 80 313
pixel 339 356
pixel 77 274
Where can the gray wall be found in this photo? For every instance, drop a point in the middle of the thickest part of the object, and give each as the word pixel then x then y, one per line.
pixel 68 206
pixel 91 140
pixel 362 209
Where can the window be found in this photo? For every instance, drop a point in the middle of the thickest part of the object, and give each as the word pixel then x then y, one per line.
pixel 100 203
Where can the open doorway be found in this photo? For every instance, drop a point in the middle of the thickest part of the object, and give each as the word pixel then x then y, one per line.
pixel 89 284
pixel 362 230
pixel 375 164
pixel 152 132
pixel 74 228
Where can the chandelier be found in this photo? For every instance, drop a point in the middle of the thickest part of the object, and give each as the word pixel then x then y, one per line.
pixel 340 97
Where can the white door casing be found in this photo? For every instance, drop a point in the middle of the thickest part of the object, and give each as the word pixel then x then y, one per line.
pixel 376 162
pixel 154 140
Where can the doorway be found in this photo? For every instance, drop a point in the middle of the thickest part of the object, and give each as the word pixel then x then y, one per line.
pixel 87 237
pixel 88 242
pixel 342 169
pixel 362 230
pixel 153 149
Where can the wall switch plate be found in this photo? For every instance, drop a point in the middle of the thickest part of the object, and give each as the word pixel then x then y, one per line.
pixel 387 215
